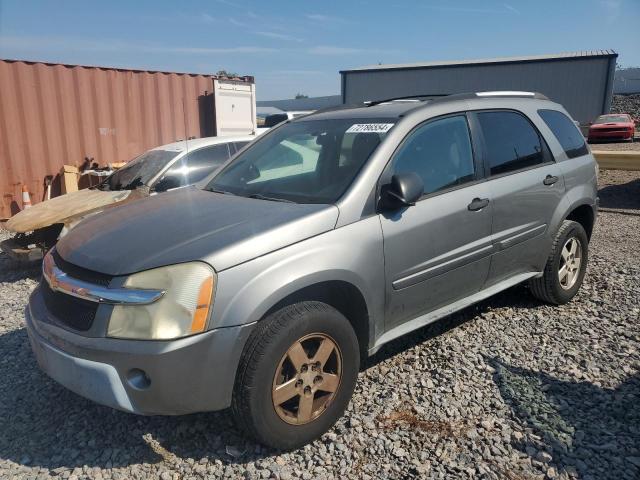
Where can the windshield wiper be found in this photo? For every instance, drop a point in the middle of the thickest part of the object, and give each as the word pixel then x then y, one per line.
pixel 215 190
pixel 259 196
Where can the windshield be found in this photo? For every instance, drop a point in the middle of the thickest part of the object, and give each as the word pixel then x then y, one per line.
pixel 611 118
pixel 312 161
pixel 139 171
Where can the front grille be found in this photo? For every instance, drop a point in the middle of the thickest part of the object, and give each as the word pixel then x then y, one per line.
pixel 619 130
pixel 80 273
pixel 68 310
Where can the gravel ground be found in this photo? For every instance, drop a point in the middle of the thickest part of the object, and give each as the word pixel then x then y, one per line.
pixel 626 104
pixel 508 389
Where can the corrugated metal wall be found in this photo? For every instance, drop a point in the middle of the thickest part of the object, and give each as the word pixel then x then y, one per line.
pixel 52 115
pixel 582 85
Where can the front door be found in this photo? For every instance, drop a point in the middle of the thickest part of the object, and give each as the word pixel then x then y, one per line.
pixel 437 251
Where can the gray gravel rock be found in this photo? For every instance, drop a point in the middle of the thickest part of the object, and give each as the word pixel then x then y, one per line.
pixel 509 388
pixel 626 104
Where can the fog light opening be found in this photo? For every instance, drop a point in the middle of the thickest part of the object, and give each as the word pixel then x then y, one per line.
pixel 138 379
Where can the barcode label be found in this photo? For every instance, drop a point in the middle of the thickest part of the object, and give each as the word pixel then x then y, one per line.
pixel 370 128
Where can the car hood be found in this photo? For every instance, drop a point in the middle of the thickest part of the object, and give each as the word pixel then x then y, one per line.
pixel 66 208
pixel 190 224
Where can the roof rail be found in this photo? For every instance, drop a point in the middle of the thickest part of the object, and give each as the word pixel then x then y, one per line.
pixel 406 98
pixel 458 96
pixel 512 93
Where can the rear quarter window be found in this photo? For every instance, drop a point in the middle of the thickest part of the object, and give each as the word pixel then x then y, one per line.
pixel 566 132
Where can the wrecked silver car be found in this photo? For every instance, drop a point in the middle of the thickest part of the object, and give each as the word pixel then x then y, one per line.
pixel 163 168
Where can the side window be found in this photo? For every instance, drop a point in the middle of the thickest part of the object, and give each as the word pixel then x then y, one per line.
pixel 200 163
pixel 566 132
pixel 511 142
pixel 194 167
pixel 440 152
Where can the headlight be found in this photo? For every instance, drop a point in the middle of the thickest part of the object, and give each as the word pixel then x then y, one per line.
pixel 182 310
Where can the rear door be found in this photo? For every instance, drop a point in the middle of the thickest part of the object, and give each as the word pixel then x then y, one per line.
pixel 437 251
pixel 525 185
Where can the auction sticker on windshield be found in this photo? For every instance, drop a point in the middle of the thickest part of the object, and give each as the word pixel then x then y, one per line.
pixel 370 128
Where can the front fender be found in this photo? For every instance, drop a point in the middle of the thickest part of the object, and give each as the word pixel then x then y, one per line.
pixel 352 254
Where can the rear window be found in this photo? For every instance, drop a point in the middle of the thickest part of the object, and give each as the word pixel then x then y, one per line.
pixel 275 119
pixel 566 132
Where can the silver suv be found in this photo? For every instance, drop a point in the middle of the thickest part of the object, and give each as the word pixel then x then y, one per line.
pixel 324 239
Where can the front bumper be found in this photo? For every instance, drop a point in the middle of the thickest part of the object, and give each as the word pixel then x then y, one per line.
pixel 613 135
pixel 186 375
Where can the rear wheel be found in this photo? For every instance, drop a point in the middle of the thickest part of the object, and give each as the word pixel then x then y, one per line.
pixel 566 265
pixel 296 376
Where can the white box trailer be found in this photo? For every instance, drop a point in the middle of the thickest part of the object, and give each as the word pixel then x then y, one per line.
pixel 235 107
pixel 229 110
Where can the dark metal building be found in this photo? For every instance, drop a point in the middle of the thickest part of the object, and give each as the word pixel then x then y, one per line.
pixel 581 81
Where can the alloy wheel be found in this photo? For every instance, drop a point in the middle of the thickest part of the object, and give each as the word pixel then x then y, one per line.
pixel 307 379
pixel 570 261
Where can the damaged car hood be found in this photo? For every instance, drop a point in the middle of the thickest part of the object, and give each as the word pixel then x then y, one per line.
pixel 66 208
pixel 191 224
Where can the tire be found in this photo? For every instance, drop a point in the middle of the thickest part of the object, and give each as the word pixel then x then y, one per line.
pixel 550 288
pixel 270 350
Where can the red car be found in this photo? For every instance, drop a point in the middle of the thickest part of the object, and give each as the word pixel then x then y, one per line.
pixel 618 126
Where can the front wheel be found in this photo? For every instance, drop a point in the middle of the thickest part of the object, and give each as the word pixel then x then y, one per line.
pixel 296 376
pixel 566 265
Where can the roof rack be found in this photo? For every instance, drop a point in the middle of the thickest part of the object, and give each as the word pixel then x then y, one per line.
pixel 458 96
pixel 405 98
pixel 512 93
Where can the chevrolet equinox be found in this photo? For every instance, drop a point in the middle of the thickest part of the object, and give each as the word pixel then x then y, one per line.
pixel 327 237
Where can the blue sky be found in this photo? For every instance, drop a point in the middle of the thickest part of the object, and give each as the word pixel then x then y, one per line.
pixel 299 46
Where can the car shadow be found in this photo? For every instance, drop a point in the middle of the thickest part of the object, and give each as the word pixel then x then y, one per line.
pixel 514 297
pixel 621 196
pixel 13 270
pixel 585 428
pixel 45 425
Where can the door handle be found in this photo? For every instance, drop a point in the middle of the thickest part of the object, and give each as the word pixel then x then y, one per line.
pixel 478 204
pixel 550 180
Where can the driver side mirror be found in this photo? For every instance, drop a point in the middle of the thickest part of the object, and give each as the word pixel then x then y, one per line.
pixel 404 190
